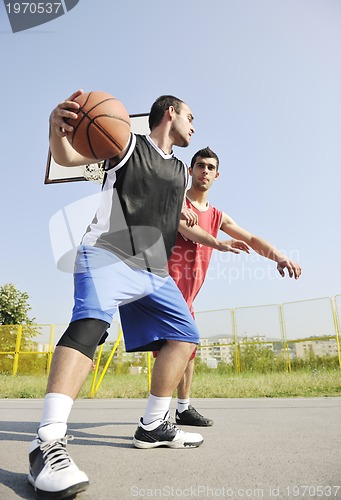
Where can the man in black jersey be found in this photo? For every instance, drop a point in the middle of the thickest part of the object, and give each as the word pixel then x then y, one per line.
pixel 121 259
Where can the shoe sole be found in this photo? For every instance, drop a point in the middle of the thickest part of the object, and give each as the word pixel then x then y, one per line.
pixel 169 444
pixel 178 422
pixel 58 495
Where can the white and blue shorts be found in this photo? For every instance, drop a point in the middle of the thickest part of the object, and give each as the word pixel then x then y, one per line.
pixel 152 308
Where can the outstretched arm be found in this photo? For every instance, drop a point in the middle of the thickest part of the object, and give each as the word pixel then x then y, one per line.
pixel 261 246
pixel 199 235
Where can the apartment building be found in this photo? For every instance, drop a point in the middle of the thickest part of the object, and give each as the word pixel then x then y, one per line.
pixel 318 347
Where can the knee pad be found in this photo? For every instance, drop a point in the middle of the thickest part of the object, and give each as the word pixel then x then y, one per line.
pixel 85 335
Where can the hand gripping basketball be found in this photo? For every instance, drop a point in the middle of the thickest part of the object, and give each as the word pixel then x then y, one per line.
pixel 102 128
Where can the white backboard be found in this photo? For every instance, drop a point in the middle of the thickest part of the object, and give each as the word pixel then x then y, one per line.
pixel 56 173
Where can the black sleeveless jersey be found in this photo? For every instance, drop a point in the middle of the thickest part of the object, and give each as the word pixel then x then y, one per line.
pixel 140 206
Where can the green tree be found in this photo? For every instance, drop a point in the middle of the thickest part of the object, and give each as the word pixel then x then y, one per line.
pixel 256 358
pixel 14 308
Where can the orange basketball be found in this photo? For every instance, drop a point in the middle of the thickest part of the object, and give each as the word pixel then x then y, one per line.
pixel 102 128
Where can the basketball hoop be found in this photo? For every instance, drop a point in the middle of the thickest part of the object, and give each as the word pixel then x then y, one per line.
pixel 94 172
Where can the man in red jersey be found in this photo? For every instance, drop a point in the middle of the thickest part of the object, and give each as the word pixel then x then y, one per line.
pixel 189 261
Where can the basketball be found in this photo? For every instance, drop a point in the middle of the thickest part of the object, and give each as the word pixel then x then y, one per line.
pixel 102 128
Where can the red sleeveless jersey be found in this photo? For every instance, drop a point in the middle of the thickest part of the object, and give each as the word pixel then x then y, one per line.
pixel 189 261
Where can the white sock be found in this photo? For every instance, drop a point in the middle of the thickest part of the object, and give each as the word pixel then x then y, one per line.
pixel 156 409
pixel 183 405
pixel 56 411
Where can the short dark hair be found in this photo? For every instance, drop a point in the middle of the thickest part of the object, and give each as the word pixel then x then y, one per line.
pixel 205 153
pixel 159 108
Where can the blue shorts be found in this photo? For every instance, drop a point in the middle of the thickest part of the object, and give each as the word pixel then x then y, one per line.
pixel 152 308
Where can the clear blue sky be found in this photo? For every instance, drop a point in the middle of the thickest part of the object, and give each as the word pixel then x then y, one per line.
pixel 263 79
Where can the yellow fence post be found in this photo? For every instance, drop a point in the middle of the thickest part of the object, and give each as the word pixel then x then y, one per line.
pixel 287 363
pixel 236 345
pixel 50 353
pixel 17 350
pixel 149 370
pixel 337 329
pixel 94 378
pixel 96 387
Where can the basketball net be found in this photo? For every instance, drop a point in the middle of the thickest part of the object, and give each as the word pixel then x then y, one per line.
pixel 94 172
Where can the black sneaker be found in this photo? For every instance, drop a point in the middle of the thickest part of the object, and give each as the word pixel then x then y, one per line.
pixel 53 474
pixel 164 434
pixel 192 417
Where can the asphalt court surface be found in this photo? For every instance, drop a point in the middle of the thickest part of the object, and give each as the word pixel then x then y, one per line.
pixel 257 448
